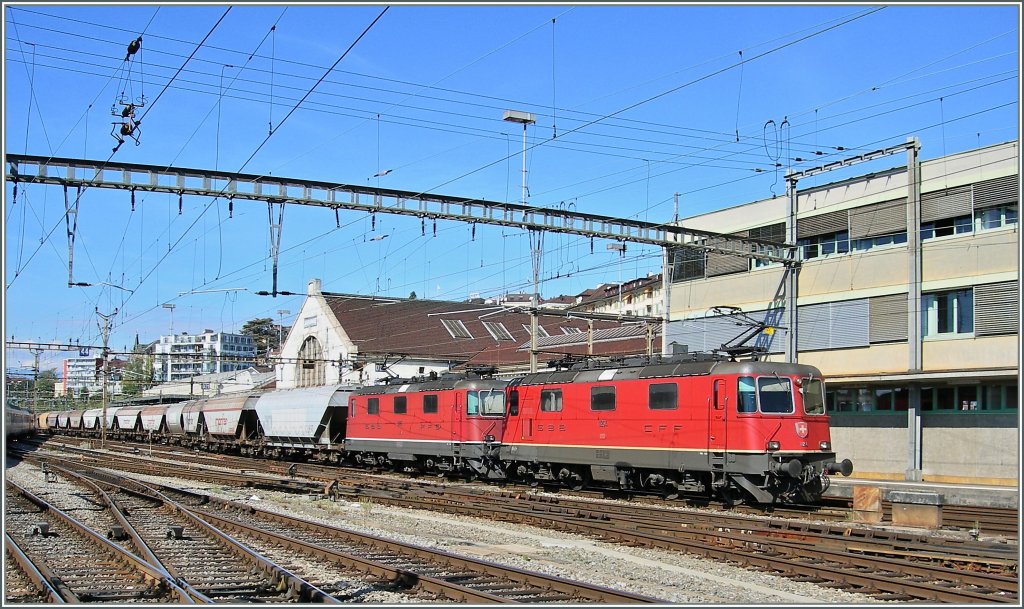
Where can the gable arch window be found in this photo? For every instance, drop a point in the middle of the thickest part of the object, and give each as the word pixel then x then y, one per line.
pixel 310 369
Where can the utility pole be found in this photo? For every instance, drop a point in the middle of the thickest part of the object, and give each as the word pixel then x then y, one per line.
pixel 35 380
pixel 105 328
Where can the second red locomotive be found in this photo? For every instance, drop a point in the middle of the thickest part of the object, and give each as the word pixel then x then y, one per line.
pixel 737 430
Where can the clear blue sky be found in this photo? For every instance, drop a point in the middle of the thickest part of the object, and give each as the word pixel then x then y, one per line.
pixel 646 101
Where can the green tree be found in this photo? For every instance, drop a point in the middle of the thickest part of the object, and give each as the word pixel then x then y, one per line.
pixel 264 332
pixel 45 381
pixel 138 374
pixel 412 295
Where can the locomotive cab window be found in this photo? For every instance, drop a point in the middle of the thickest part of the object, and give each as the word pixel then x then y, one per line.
pixel 551 400
pixel 776 395
pixel 663 396
pixel 373 406
pixel 430 404
pixel 746 400
pixel 399 404
pixel 602 398
pixel 513 403
pixel 488 402
pixel 814 396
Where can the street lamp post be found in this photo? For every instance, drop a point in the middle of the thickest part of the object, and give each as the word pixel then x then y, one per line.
pixel 536 247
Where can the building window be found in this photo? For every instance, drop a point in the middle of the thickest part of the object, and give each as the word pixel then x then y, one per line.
pixel 823 245
pixel 944 313
pixel 995 217
pixel 863 245
pixel 310 372
pixel 946 227
pixel 566 330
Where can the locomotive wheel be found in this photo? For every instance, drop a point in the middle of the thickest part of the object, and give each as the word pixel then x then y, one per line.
pixel 670 490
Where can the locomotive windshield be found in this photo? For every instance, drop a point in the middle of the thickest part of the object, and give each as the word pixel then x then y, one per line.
pixel 488 402
pixel 814 400
pixel 776 394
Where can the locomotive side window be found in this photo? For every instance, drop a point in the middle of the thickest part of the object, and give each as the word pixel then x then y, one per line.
pixel 776 395
pixel 430 404
pixel 746 395
pixel 399 404
pixel 814 400
pixel 513 403
pixel 551 400
pixel 663 396
pixel 602 398
pixel 488 402
pixel 373 406
pixel 493 402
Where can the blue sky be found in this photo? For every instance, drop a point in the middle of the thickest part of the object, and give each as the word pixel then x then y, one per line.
pixel 633 104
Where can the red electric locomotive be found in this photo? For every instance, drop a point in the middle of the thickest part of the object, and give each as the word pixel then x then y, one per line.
pixel 737 430
pixel 450 425
pixel 755 430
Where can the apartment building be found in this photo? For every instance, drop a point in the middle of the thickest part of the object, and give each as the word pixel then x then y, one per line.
pixel 908 300
pixel 184 355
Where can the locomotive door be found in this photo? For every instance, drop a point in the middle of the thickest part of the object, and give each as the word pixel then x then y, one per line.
pixel 458 417
pixel 718 409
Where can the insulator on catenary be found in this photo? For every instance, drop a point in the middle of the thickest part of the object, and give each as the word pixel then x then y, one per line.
pixel 133 47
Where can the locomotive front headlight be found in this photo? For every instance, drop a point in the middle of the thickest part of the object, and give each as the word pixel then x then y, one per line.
pixel 774 445
pixel 825 445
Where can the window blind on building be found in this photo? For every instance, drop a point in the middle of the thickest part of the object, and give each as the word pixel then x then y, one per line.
pixel 775 233
pixel 833 325
pixel 997 191
pixel 724 264
pixel 995 308
pixel 887 317
pixel 821 224
pixel 946 203
pixel 882 218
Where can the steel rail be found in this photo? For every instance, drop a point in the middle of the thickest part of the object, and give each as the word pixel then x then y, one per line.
pixel 148 570
pixel 45 581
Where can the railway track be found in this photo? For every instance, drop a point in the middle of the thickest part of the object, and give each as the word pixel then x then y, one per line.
pixel 260 473
pixel 890 565
pixel 334 554
pixel 68 562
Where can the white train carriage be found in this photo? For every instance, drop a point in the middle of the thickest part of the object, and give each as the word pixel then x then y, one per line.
pixel 75 421
pixel 309 421
pixel 63 419
pixel 129 423
pixel 52 420
pixel 91 419
pixel 229 421
pixel 175 424
pixel 154 420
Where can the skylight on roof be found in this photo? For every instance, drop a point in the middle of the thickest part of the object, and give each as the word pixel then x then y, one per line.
pixel 498 330
pixel 456 328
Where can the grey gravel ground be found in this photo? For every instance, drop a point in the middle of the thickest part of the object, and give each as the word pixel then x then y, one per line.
pixel 670 576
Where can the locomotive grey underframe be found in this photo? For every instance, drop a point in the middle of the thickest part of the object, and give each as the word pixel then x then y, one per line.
pixel 473 454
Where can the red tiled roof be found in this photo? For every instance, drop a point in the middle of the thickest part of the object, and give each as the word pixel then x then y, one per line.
pixel 414 328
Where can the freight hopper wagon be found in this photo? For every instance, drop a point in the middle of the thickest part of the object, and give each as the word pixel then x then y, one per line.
pixel 737 430
pixel 302 423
